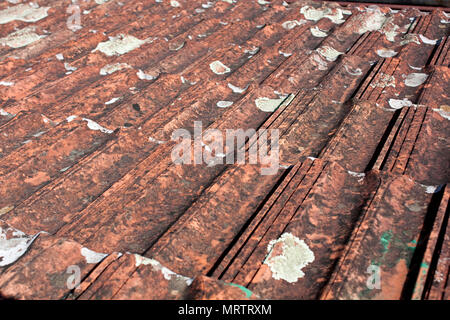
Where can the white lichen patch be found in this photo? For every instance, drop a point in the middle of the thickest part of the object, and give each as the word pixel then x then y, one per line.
pixel 268 105
pixel 329 53
pixel 21 38
pixel 287 256
pixel 145 76
pixel 316 32
pixel 219 68
pixel 398 104
pixel 23 12
pixel 386 53
pixel 311 13
pixel 384 80
pixel 92 256
pixel 291 24
pixel 111 68
pixel 13 245
pixel 415 79
pixel 167 273
pixel 120 44
pixel 224 104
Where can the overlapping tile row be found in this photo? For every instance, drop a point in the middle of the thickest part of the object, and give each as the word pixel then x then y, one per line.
pixel 359 96
pixel 63 269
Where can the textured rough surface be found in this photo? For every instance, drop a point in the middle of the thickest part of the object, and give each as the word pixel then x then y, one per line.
pixel 92 205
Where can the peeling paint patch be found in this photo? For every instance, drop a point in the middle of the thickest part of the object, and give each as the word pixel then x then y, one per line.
pixel 415 79
pixel 92 256
pixel 311 13
pixel 21 38
pixel 398 104
pixel 386 53
pixel 120 44
pixel 111 68
pixel 329 53
pixel 285 54
pixel 13 245
pixel 219 68
pixel 167 273
pixel 268 105
pixel 23 12
pixel 287 256
pixel 316 32
pixel 224 104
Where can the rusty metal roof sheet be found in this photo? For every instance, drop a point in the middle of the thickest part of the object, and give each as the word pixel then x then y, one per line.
pixel 93 207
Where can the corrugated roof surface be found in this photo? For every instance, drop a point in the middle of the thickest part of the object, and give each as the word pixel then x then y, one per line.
pixel 89 191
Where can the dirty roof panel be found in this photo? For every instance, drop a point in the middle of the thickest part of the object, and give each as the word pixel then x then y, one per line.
pixel 351 102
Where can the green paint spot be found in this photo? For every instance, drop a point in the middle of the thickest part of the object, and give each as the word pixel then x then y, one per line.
pixel 385 239
pixel 247 292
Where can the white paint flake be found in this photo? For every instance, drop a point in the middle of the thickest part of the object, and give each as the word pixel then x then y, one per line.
pixel 224 104
pixel 386 53
pixel 291 24
pixel 268 105
pixel 13 245
pixel 21 38
pixel 111 68
pixel 113 100
pixel 167 273
pixel 398 104
pixel 59 56
pixel 329 53
pixel 236 89
pixel 428 41
pixel 92 256
pixel 415 79
pixel 91 124
pixel 23 12
pixel 311 13
pixel 354 72
pixel 219 68
pixel 316 32
pixel 144 76
pixel 287 256
pixel 6 83
pixel 120 44
pixel 175 4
